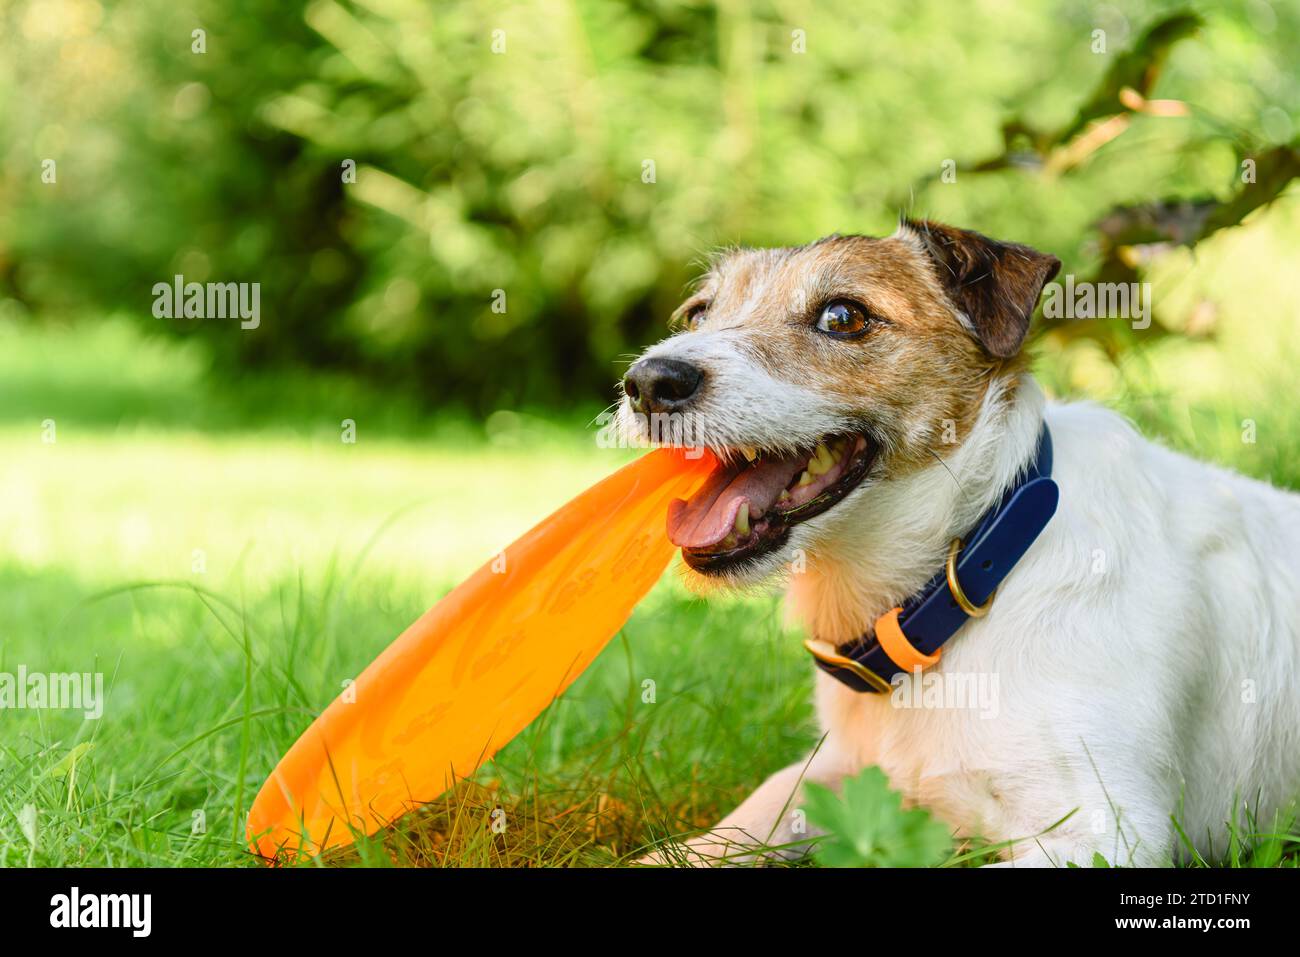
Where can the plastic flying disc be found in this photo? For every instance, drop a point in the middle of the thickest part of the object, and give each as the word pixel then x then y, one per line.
pixel 478 666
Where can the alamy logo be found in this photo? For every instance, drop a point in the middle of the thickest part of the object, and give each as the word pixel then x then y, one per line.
pixel 638 430
pixel 214 300
pixel 103 910
pixel 74 690
pixel 1098 300
pixel 950 691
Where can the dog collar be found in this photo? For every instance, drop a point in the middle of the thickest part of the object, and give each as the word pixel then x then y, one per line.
pixel 911 636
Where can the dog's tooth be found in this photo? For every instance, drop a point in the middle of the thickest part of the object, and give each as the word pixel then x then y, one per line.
pixel 742 519
pixel 749 452
pixel 822 460
pixel 785 495
pixel 805 479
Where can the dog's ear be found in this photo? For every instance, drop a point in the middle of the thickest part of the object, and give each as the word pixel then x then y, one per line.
pixel 996 285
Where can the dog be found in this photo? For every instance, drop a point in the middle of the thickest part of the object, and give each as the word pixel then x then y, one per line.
pixel 869 400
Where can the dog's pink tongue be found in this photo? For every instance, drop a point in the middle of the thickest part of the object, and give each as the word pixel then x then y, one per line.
pixel 710 515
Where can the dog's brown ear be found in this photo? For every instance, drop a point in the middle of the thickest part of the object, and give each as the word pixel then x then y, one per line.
pixel 995 284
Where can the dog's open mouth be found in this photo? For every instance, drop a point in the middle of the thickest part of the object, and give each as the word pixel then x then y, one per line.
pixel 746 508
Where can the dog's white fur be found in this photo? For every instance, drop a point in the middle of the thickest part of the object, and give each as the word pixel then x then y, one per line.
pixel 1146 648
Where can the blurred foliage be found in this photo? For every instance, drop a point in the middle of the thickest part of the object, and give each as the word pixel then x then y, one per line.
pixel 504 147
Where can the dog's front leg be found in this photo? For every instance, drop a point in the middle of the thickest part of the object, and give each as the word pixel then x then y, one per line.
pixel 767 824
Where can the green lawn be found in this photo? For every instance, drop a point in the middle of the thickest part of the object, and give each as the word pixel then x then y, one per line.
pixel 227 562
pixel 168 548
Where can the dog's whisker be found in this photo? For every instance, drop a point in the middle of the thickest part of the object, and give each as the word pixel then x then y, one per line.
pixel 951 474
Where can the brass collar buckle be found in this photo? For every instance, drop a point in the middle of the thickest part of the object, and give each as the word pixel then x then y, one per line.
pixel 827 654
pixel 954 586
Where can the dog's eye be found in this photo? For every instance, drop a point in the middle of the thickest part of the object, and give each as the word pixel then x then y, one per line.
pixel 843 317
pixel 695 315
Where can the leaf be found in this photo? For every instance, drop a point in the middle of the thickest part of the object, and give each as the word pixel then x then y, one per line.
pixel 27 822
pixel 866 826
pixel 1099 861
pixel 68 765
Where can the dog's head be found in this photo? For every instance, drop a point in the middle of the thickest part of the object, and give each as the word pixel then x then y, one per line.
pixel 810 370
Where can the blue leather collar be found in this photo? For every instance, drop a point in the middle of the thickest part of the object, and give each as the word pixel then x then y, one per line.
pixel 934 614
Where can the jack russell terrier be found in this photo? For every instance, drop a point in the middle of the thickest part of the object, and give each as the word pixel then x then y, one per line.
pixel 883 448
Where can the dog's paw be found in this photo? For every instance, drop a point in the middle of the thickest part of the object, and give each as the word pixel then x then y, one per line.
pixel 698 852
pixel 712 849
pixel 673 854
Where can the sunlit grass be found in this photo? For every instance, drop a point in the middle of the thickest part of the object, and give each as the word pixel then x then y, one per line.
pixel 599 774
pixel 227 581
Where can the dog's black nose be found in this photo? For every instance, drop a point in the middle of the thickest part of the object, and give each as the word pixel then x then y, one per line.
pixel 661 385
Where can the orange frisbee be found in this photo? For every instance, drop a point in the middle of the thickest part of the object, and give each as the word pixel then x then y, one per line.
pixel 478 666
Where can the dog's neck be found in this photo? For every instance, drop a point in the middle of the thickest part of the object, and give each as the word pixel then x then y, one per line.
pixel 894 535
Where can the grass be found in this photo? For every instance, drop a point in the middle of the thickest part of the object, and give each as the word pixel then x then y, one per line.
pixel 228 562
pixel 226 581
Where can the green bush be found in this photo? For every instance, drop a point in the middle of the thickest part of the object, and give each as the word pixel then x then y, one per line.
pixel 524 169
